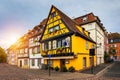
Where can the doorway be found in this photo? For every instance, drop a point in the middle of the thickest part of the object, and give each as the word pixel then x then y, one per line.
pixel 62 63
pixel 20 63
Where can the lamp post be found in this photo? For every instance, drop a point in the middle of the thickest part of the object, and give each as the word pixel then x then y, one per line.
pixel 49 56
pixel 92 53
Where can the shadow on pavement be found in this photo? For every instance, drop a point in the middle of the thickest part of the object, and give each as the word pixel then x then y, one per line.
pixel 95 69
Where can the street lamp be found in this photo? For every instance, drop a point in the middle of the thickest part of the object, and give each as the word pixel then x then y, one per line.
pixel 92 53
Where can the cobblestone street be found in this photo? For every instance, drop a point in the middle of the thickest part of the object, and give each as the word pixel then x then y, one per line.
pixel 9 72
pixel 113 72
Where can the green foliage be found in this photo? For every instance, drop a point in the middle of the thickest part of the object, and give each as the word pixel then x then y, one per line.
pixel 106 56
pixel 112 50
pixel 3 56
pixel 56 68
pixel 71 69
pixel 64 69
pixel 33 53
pixel 113 35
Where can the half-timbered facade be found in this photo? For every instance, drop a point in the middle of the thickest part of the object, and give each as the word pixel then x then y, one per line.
pixel 12 55
pixel 22 52
pixel 65 43
pixel 34 47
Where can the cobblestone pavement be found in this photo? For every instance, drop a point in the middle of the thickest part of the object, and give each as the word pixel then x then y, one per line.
pixel 8 72
pixel 113 72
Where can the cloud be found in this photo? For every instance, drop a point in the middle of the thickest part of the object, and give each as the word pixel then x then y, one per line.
pixel 23 15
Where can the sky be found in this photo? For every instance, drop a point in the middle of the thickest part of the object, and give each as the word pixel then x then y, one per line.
pixel 19 16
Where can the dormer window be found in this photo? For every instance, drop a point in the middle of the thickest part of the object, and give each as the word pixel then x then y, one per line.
pixel 53 14
pixel 84 19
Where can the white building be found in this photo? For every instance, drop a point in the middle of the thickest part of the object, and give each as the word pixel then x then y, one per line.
pixel 93 24
pixel 35 57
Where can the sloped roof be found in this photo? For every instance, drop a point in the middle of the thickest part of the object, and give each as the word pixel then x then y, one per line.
pixel 71 24
pixel 90 18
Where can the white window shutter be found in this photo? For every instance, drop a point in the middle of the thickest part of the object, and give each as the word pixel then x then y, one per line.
pixel 43 46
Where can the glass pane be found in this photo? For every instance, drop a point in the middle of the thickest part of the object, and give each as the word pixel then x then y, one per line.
pixel 59 44
pixel 57 28
pixel 43 46
pixel 49 45
pixel 64 43
pixel 51 30
pixel 68 41
pixel 54 44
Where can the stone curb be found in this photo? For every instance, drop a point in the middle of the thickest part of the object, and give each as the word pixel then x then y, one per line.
pixel 103 70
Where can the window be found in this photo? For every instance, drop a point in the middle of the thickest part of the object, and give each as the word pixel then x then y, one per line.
pixel 111 40
pixel 93 46
pixel 51 30
pixel 30 50
pixel 68 41
pixel 53 14
pixel 90 59
pixel 59 44
pixel 56 27
pixel 64 43
pixel 39 62
pixel 38 49
pixel 46 46
pixel 84 19
pixel 43 46
pixel 49 45
pixel 115 45
pixel 35 50
pixel 33 62
pixel 84 62
pixel 25 62
pixel 87 45
pixel 21 50
pixel 54 44
pixel 26 50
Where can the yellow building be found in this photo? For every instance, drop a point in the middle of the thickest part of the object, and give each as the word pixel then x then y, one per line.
pixel 65 43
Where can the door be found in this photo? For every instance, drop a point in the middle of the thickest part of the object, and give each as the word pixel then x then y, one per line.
pixel 62 63
pixel 84 62
pixel 20 63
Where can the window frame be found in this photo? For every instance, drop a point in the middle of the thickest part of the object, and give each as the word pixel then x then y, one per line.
pixel 53 14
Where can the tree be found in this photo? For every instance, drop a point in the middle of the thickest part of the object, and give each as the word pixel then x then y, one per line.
pixel 3 56
pixel 113 35
pixel 106 57
pixel 112 50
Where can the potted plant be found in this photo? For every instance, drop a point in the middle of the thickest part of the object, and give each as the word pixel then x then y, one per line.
pixel 49 32
pixel 45 51
pixel 35 41
pixel 56 68
pixel 71 69
pixel 59 49
pixel 33 53
pixel 64 69
pixel 55 30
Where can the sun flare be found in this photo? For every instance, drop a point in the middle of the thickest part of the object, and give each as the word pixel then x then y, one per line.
pixel 13 39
